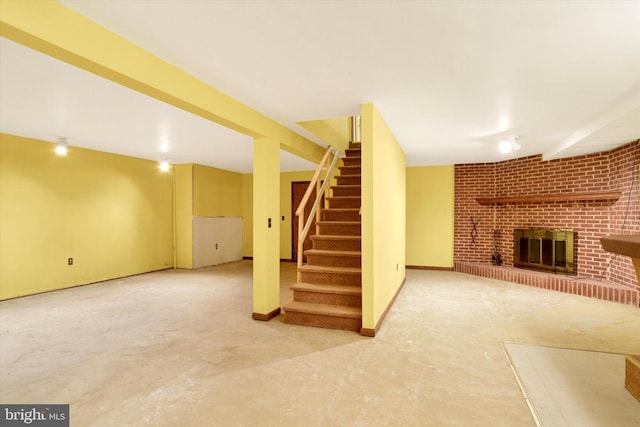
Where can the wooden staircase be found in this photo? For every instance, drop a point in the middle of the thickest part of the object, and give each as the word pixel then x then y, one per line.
pixel 329 293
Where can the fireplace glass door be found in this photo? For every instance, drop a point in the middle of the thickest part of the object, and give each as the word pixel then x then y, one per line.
pixel 545 249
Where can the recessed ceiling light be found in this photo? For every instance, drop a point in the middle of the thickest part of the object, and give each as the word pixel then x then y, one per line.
pixel 509 145
pixel 61 146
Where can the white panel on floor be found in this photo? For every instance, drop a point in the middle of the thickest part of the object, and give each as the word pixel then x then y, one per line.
pixel 570 388
pixel 216 240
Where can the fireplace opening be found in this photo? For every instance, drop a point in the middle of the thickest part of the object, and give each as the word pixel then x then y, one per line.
pixel 545 249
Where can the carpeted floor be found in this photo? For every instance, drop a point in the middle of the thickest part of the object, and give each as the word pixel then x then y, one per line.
pixel 179 348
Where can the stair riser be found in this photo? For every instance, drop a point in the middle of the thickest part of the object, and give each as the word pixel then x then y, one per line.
pixel 355 144
pixel 319 321
pixel 331 278
pixel 351 161
pixel 338 245
pixel 334 261
pixel 339 191
pixel 353 152
pixel 338 229
pixel 349 170
pixel 348 180
pixel 346 203
pixel 329 215
pixel 330 299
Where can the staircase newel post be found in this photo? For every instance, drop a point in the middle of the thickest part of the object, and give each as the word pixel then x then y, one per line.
pixel 318 188
pixel 300 245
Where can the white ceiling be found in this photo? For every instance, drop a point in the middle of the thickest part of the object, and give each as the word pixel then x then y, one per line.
pixel 450 78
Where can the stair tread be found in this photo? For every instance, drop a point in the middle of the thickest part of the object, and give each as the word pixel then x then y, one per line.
pixel 332 252
pixel 340 209
pixel 324 309
pixel 343 197
pixel 330 269
pixel 326 288
pixel 335 237
pixel 341 222
pixel 347 185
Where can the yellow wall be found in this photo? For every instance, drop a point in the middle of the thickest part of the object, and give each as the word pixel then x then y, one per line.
pixel 216 192
pixel 184 215
pixel 430 216
pixel 112 214
pixel 383 216
pixel 247 215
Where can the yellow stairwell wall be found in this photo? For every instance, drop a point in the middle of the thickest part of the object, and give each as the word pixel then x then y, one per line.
pixel 383 216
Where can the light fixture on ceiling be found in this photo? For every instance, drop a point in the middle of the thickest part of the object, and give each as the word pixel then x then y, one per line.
pixel 509 144
pixel 61 146
pixel 165 165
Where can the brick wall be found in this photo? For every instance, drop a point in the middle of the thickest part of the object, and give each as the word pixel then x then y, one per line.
pixel 615 170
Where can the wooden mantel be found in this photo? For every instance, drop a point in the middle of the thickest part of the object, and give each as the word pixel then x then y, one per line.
pixel 629 245
pixel 550 198
pixel 624 244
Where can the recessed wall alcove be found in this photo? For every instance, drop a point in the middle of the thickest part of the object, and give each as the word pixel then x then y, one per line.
pixel 594 195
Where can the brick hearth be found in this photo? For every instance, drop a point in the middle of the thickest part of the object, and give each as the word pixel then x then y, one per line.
pixel 604 290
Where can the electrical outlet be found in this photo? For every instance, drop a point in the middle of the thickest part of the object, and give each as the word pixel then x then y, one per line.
pixel 70 261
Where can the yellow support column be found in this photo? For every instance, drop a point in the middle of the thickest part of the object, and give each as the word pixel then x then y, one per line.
pixel 266 228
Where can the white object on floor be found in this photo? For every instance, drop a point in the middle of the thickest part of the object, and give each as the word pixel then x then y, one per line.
pixel 567 388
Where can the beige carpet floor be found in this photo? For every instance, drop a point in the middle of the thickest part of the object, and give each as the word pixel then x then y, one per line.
pixel 179 348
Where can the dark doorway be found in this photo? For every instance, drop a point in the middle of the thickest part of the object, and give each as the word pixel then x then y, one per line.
pixel 298 189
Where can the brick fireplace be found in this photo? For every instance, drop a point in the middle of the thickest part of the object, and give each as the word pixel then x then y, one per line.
pixel 593 195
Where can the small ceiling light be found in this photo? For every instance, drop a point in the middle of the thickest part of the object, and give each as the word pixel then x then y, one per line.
pixel 61 146
pixel 509 145
pixel 164 165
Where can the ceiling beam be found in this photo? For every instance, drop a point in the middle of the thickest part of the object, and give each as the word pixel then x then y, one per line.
pixel 60 32
pixel 619 110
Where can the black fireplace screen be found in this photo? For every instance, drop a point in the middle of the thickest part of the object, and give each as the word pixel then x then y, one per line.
pixel 545 249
